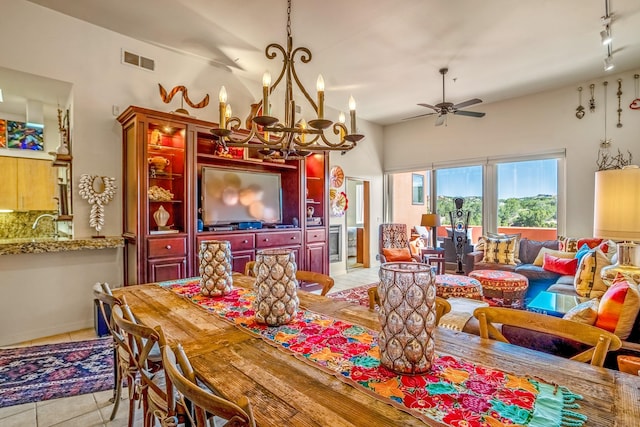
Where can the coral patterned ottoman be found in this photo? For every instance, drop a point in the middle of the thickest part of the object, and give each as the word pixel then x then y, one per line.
pixel 451 285
pixel 503 288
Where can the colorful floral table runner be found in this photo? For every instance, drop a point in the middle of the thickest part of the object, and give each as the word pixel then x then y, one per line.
pixel 456 392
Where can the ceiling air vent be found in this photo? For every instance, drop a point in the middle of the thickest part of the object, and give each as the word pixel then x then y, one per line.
pixel 138 61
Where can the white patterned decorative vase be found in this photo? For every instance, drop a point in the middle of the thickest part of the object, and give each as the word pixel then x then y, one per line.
pixel 276 287
pixel 408 317
pixel 215 268
pixel 161 216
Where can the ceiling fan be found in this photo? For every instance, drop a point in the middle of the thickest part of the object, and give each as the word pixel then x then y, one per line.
pixel 444 108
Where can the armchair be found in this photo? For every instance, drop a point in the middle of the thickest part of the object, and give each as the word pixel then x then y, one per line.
pixel 395 237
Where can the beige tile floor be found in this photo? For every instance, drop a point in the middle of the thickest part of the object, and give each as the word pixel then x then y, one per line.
pixel 92 410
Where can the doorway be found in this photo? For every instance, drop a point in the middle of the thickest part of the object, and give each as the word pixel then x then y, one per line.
pixel 357 224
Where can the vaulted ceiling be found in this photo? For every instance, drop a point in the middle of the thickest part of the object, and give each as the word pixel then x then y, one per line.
pixel 387 53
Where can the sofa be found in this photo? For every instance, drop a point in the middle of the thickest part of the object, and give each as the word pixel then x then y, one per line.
pixel 539 278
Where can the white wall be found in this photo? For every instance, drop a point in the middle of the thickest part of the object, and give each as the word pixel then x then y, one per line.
pixel 528 125
pixel 43 42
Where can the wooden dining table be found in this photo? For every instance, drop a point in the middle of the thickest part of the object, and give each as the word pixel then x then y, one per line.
pixel 286 391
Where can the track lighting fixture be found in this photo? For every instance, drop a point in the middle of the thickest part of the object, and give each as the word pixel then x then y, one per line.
pixel 608 63
pixel 606 38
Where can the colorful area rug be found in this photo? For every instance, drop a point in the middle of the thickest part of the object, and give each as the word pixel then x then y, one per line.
pixel 33 374
pixel 357 295
pixel 455 392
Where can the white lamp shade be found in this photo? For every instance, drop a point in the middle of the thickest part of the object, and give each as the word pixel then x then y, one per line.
pixel 616 213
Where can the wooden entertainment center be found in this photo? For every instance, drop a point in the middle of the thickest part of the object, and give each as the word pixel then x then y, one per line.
pixel 163 157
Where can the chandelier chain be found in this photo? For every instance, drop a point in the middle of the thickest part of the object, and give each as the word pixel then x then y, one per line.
pixel 289 18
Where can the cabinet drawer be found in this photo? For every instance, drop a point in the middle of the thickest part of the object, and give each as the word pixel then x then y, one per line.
pixel 316 235
pixel 239 242
pixel 281 238
pixel 176 246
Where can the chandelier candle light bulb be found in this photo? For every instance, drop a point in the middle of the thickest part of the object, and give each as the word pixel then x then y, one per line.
pixel 266 82
pixel 352 112
pixel 320 87
pixel 341 120
pixel 222 97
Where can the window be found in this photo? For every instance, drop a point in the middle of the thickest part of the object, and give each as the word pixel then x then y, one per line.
pixel 528 198
pixel 523 194
pixel 417 189
pixel 460 182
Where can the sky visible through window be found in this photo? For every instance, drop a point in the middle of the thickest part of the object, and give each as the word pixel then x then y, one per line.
pixel 515 180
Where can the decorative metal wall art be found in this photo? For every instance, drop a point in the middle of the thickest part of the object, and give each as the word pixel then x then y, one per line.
pixel 167 97
pixel 580 109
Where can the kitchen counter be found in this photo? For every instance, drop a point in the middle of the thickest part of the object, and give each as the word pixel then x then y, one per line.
pixel 44 245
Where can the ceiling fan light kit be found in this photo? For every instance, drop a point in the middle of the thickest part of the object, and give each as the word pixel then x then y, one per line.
pixel 444 108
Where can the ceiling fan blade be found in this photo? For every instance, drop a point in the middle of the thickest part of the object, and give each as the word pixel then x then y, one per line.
pixel 467 103
pixel 440 119
pixel 469 113
pixel 419 115
pixel 429 106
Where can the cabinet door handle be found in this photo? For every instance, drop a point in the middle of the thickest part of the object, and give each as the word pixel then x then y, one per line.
pixel 293 237
pixel 266 240
pixel 245 241
pixel 315 235
pixel 168 246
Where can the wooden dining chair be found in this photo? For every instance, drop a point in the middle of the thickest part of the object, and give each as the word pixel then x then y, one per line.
pixel 121 366
pixel 151 385
pixel 301 275
pixel 312 277
pixel 248 269
pixel 601 341
pixel 182 378
pixel 442 305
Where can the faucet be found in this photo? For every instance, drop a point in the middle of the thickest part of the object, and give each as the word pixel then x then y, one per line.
pixel 53 217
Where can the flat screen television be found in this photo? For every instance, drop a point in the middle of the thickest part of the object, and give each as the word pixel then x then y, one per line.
pixel 231 196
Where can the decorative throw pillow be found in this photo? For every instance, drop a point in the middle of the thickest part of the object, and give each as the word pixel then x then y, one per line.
pixel 516 248
pixel 500 250
pixel 586 312
pixel 397 254
pixel 591 242
pixel 568 244
pixel 564 266
pixel 584 249
pixel 559 254
pixel 609 248
pixel 619 307
pixel 416 245
pixel 588 282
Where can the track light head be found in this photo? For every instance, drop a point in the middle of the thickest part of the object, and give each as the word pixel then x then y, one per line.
pixel 605 36
pixel 608 63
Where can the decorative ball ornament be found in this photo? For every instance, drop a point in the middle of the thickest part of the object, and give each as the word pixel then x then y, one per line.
pixel 98 191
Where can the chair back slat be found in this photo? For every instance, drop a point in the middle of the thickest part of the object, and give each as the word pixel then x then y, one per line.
pixel 601 341
pixel 205 402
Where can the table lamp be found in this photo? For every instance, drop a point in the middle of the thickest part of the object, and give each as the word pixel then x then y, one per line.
pixel 432 221
pixel 616 216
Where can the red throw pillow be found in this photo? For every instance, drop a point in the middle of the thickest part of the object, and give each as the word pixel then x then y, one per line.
pixel 564 266
pixel 399 254
pixel 592 243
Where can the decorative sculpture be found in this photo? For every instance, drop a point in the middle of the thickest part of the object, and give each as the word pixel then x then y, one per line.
pixel 459 223
pixel 167 97
pixel 98 194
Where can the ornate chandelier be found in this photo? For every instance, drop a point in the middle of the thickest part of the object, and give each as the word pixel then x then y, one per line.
pixel 289 138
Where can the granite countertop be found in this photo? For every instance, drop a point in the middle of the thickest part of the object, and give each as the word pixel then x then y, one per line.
pixel 44 245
